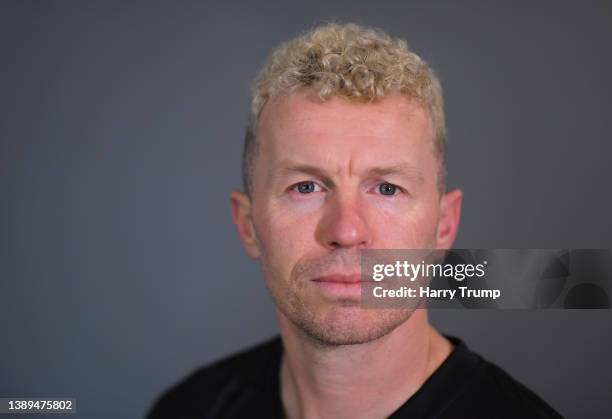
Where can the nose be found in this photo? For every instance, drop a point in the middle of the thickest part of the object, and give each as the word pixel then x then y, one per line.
pixel 343 224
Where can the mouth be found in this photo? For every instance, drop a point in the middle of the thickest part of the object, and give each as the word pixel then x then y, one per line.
pixel 341 279
pixel 344 286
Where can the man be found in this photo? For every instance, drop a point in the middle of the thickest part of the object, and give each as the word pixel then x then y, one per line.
pixel 346 151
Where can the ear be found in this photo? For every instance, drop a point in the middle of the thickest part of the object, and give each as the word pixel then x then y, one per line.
pixel 241 213
pixel 448 223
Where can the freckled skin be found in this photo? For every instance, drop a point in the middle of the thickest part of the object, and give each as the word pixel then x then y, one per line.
pixel 298 236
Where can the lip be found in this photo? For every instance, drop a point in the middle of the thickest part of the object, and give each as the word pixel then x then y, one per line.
pixel 340 279
pixel 340 286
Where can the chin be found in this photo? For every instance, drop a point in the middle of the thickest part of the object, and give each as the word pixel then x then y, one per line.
pixel 348 324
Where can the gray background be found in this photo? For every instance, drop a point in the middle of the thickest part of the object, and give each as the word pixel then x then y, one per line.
pixel 121 128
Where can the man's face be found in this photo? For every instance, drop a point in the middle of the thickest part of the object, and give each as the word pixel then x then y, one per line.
pixel 331 179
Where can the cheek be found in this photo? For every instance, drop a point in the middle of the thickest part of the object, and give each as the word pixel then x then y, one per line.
pixel 284 237
pixel 409 225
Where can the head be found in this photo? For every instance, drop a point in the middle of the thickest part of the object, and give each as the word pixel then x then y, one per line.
pixel 345 150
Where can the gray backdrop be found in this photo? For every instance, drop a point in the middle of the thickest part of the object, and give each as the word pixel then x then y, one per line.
pixel 121 130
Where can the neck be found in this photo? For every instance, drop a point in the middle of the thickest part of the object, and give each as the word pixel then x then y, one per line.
pixel 354 381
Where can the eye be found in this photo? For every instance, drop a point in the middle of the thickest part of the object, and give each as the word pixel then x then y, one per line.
pixel 387 189
pixel 306 187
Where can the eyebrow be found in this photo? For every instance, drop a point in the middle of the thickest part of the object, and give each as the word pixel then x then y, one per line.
pixel 400 169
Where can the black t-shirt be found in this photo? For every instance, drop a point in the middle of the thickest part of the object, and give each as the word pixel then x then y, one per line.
pixel 246 385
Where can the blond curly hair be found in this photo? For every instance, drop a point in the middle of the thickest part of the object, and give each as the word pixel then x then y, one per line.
pixel 350 61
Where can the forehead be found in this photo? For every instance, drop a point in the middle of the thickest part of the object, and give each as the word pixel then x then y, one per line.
pixel 301 122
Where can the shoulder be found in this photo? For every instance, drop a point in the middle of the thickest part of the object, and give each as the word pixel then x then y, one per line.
pixel 492 392
pixel 237 377
pixel 514 395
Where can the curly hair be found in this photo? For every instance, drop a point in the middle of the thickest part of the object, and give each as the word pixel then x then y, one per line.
pixel 350 61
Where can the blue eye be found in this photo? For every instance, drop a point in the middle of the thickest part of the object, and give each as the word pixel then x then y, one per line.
pixel 305 187
pixel 387 189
